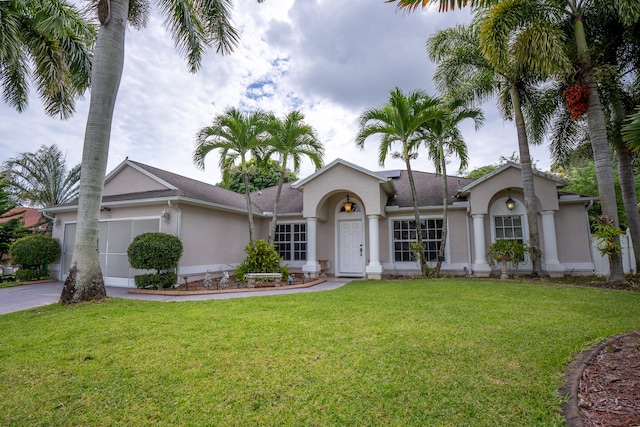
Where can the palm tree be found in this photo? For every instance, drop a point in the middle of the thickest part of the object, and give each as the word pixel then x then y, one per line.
pixel 41 179
pixel 238 136
pixel 631 130
pixel 466 72
pixel 291 139
pixel 443 138
pixel 574 11
pixel 401 119
pixel 194 26
pixel 47 42
pixel 511 37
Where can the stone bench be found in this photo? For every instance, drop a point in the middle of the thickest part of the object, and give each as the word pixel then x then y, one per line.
pixel 251 278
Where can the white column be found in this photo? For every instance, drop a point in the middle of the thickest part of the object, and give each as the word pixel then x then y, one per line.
pixel 312 266
pixel 551 263
pixel 480 266
pixel 374 268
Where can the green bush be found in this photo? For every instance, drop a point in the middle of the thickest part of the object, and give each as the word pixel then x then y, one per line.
pixel 261 258
pixel 156 281
pixel 35 250
pixel 155 251
pixel 26 275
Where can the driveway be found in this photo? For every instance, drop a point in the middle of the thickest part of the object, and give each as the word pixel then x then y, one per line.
pixel 29 296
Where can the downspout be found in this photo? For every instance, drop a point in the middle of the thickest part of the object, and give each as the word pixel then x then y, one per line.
pixel 466 219
pixel 178 231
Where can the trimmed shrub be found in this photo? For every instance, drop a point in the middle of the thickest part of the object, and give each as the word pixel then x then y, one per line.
pixel 156 281
pixel 27 275
pixel 155 251
pixel 36 250
pixel 261 258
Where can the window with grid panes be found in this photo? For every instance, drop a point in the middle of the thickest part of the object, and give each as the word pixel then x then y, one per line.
pixel 404 232
pixel 290 241
pixel 509 227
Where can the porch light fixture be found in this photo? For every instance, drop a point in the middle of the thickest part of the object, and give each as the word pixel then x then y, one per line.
pixel 348 206
pixel 510 202
pixel 165 216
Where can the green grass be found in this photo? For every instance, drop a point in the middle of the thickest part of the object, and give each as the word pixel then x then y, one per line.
pixel 399 353
pixel 9 284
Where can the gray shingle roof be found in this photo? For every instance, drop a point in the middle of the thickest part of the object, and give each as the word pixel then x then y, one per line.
pixel 194 189
pixel 428 189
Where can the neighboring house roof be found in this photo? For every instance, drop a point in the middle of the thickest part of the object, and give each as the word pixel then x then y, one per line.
pixel 32 218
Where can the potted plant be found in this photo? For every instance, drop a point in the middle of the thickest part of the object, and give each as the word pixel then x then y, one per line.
pixel 506 250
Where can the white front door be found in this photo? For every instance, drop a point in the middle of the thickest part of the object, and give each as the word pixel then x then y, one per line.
pixel 351 248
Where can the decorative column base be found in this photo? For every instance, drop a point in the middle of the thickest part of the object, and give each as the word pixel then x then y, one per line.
pixel 554 269
pixel 311 270
pixel 481 270
pixel 374 271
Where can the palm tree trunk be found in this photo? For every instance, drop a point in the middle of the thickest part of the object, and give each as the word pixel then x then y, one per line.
pixel 272 227
pixel 599 142
pixel 530 201
pixel 85 281
pixel 416 209
pixel 629 197
pixel 247 197
pixel 445 209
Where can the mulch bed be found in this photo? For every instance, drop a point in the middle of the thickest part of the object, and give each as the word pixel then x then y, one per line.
pixel 609 389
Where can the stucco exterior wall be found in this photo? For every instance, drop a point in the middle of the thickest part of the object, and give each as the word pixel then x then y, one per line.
pixel 216 239
pixel 572 230
pixel 483 193
pixel 345 180
pixel 130 180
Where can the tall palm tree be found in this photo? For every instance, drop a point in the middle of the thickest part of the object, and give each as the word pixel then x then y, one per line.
pixel 574 11
pixel 401 120
pixel 238 137
pixel 442 139
pixel 41 179
pixel 194 26
pixel 291 139
pixel 511 36
pixel 466 72
pixel 47 42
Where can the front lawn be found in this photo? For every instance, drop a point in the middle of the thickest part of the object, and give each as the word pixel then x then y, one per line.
pixel 400 353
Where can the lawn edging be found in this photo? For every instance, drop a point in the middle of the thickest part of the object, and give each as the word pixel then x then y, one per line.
pixel 174 292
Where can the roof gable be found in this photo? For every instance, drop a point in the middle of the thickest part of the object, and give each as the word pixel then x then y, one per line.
pixel 382 179
pixel 467 188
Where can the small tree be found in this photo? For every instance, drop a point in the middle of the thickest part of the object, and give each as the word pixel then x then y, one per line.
pixel 155 251
pixel 506 250
pixel 608 236
pixel 262 257
pixel 34 253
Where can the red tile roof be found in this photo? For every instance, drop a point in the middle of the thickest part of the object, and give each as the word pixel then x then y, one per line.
pixel 30 216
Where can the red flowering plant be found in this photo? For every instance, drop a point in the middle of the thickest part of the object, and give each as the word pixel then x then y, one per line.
pixel 576 96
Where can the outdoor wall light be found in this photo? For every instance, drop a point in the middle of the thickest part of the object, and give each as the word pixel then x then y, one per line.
pixel 165 216
pixel 348 206
pixel 510 202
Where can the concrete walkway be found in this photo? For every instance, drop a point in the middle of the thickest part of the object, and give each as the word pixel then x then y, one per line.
pixel 29 296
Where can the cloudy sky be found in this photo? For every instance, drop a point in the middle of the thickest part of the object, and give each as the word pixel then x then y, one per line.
pixel 332 59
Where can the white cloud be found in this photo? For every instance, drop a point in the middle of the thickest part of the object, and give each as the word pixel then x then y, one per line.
pixel 329 58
